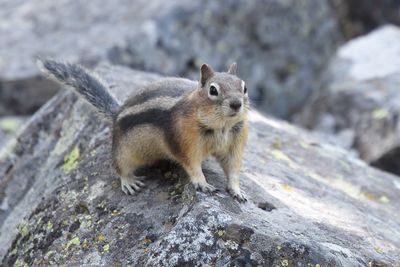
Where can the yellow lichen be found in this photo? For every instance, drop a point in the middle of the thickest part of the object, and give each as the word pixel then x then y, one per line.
pixel 287 188
pixel 284 262
pixel 115 213
pixel 380 114
pixel 86 187
pixel 73 242
pixel 49 226
pixel 368 195
pixel 23 230
pixel 100 238
pixel 20 263
pixel 71 160
pixel 378 249
pixel 86 221
pixel 372 197
pixel 106 248
pixel 304 145
pixel 121 236
pixel 280 155
pixel 85 244
pixel 8 125
pixel 384 199
pixel 49 254
pixel 220 233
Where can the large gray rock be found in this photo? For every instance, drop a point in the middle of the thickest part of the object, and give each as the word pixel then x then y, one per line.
pixel 310 204
pixel 280 45
pixel 360 100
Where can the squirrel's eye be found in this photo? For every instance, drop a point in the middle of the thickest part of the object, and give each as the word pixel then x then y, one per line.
pixel 245 90
pixel 213 90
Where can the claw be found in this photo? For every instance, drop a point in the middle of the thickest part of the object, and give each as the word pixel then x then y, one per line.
pixel 140 183
pixel 131 186
pixel 205 188
pixel 237 194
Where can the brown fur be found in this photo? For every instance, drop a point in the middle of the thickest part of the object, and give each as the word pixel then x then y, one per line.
pixel 195 127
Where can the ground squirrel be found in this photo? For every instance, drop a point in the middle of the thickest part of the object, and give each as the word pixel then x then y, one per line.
pixel 172 118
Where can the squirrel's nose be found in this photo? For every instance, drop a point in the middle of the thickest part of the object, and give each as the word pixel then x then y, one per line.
pixel 235 105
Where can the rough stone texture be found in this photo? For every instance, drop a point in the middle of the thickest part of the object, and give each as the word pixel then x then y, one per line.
pixel 358 17
pixel 360 100
pixel 280 45
pixel 310 204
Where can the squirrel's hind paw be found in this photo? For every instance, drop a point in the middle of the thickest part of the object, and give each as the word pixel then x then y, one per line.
pixel 131 186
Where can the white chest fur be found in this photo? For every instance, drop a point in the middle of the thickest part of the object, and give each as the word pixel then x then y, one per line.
pixel 217 140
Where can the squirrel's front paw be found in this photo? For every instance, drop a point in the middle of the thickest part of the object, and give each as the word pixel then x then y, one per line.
pixel 205 187
pixel 237 194
pixel 131 186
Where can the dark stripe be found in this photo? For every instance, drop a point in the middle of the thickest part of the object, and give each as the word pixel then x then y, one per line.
pixel 155 116
pixel 147 95
pixel 160 118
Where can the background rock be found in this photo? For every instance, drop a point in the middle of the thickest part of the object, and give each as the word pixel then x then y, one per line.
pixel 309 203
pixel 23 97
pixel 358 17
pixel 360 99
pixel 280 45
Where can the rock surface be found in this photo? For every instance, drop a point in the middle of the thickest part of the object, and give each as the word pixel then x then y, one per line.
pixel 9 127
pixel 280 45
pixel 360 100
pixel 310 204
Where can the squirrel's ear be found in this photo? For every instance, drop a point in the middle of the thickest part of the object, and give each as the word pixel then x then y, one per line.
pixel 205 73
pixel 232 68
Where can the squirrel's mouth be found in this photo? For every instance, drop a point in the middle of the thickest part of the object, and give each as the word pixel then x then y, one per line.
pixel 233 114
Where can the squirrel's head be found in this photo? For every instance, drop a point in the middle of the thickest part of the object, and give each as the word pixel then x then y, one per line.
pixel 224 93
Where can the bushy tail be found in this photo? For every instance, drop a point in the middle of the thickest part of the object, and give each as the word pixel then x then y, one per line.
pixel 84 83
